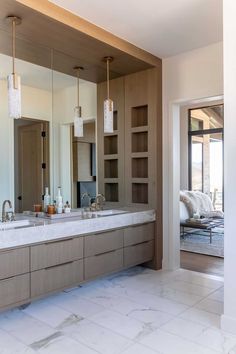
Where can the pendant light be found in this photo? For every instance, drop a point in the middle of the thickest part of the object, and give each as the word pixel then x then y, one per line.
pixel 78 120
pixel 13 80
pixel 108 103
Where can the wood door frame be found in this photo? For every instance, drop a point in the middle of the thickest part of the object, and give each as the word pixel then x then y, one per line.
pixel 45 153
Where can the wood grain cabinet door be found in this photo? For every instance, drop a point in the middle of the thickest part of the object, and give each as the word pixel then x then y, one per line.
pixel 56 278
pixel 53 253
pixel 14 262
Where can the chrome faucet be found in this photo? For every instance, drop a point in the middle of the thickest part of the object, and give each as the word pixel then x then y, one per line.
pixel 7 215
pixel 86 196
pixel 100 200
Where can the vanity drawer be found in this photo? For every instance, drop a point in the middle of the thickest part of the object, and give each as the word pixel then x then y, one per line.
pixel 14 262
pixel 104 242
pixel 138 234
pixel 14 290
pixel 103 263
pixel 56 278
pixel 137 254
pixel 53 253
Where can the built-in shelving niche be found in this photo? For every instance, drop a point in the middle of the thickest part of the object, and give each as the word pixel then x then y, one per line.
pixel 111 192
pixel 111 168
pixel 110 144
pixel 140 193
pixel 140 141
pixel 139 116
pixel 115 120
pixel 140 167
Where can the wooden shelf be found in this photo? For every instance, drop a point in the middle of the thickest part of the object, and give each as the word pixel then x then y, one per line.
pixel 140 167
pixel 139 116
pixel 111 192
pixel 140 142
pixel 140 193
pixel 110 145
pixel 111 168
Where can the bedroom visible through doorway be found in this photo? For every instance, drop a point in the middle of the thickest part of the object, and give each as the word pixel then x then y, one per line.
pixel 201 183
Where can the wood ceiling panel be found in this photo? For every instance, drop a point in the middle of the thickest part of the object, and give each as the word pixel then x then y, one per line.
pixel 39 34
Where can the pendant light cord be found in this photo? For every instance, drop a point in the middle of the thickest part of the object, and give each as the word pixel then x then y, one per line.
pixel 78 88
pixel 13 45
pixel 108 79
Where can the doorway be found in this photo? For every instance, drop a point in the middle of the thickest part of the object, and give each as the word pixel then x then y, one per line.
pixel 31 162
pixel 203 172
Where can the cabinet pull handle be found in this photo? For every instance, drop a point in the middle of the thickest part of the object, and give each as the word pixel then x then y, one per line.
pixel 59 265
pixel 100 254
pixel 141 243
pixel 59 241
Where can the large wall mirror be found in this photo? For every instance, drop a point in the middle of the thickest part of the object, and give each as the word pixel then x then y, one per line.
pixel 40 150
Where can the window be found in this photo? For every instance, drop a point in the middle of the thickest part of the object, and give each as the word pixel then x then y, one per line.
pixel 206 152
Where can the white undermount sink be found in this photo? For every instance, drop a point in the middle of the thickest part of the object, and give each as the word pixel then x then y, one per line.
pixel 14 224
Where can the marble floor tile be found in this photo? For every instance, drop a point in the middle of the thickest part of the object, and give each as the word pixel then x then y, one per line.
pixel 25 328
pixel 159 303
pixel 212 306
pixel 190 288
pixel 184 328
pixel 211 282
pixel 176 295
pixel 77 305
pixel 139 349
pixel 123 325
pixel 97 337
pixel 202 317
pixel 167 343
pixel 136 311
pixel 217 340
pixel 47 312
pixel 10 345
pixel 217 295
pixel 154 317
pixel 64 345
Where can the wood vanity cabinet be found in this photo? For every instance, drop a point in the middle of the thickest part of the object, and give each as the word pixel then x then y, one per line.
pixel 31 272
pixel 14 277
pixel 56 265
pixel 103 253
pixel 138 244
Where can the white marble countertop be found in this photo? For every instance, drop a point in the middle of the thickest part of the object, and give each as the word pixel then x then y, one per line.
pixel 44 230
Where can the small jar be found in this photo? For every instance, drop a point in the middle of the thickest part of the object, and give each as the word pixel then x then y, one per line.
pixel 51 209
pixel 37 208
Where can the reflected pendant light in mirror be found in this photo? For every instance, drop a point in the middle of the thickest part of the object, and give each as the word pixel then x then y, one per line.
pixel 13 80
pixel 78 120
pixel 108 103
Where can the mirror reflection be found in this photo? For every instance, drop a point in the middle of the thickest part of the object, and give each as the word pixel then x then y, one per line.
pixel 40 150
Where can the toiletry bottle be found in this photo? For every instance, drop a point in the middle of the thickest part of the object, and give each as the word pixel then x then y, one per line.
pixel 59 201
pixel 46 199
pixel 67 208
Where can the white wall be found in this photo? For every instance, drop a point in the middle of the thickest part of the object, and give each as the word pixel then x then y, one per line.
pixel 229 317
pixel 187 78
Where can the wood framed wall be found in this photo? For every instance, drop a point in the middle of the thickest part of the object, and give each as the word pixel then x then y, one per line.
pixel 134 150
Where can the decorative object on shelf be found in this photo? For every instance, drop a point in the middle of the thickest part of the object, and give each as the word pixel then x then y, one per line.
pixel 108 103
pixel 78 120
pixel 13 80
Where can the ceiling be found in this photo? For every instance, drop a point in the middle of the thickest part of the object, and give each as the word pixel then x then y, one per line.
pixel 162 27
pixel 37 76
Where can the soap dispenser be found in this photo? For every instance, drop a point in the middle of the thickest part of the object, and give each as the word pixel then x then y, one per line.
pixel 59 201
pixel 46 199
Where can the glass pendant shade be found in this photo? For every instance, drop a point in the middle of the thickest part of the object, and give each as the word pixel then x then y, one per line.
pixel 14 96
pixel 78 123
pixel 108 116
